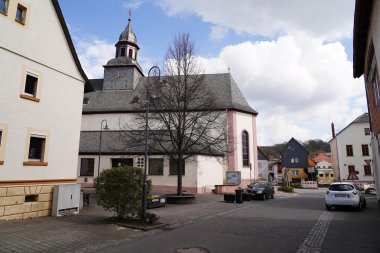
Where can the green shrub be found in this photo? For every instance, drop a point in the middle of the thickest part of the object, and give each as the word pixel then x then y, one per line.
pixel 285 189
pixel 296 185
pixel 120 190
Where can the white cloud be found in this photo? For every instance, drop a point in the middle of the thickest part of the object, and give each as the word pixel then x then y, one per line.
pixel 134 4
pixel 278 129
pixel 299 81
pixel 218 32
pixel 93 55
pixel 322 18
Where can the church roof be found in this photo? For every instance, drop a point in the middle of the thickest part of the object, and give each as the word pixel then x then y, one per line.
pixel 128 35
pixel 223 87
pixel 122 143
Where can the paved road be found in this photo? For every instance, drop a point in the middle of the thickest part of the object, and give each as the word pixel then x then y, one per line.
pixel 296 224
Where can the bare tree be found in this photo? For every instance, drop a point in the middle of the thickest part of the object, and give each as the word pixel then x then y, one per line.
pixel 185 119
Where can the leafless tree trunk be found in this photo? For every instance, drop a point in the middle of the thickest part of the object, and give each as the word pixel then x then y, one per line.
pixel 185 119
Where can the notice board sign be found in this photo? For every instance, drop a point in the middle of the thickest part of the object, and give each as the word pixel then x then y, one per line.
pixel 233 177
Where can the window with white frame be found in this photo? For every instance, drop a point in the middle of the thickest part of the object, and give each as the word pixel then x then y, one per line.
pixel 31 82
pixel 87 167
pixel 37 150
pixel 295 173
pixel 30 87
pixel 140 162
pixel 245 148
pixel 156 166
pixel 173 167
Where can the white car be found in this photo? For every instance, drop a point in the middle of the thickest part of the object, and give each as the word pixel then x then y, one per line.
pixel 345 194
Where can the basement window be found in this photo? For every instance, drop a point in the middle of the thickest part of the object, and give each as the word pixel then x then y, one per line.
pixel 31 198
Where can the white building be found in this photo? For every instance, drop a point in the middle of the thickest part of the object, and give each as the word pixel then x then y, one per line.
pixel 115 102
pixel 42 85
pixel 350 149
pixel 265 172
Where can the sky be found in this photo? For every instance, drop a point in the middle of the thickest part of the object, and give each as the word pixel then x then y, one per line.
pixel 291 59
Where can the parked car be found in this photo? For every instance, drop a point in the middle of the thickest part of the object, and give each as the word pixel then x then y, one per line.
pixel 345 194
pixel 261 190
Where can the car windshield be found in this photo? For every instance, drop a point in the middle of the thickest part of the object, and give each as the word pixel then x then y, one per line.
pixel 341 187
pixel 258 185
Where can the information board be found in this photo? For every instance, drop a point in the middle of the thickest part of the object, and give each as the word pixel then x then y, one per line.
pixel 233 177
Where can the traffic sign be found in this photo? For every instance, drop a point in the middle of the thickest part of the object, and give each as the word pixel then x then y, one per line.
pixel 352 176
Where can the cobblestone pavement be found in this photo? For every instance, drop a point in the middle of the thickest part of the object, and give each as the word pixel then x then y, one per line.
pixel 90 229
pixel 314 241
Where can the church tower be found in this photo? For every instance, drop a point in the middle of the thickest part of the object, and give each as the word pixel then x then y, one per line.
pixel 123 71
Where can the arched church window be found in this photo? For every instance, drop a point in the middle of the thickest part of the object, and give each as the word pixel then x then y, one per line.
pixel 122 51
pixel 245 148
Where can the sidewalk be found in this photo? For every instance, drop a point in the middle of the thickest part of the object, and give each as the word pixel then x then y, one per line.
pixel 89 230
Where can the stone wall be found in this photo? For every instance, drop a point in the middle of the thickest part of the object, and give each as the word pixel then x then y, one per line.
pixel 27 201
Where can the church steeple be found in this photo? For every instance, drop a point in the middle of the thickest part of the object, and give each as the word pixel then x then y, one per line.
pixel 127 44
pixel 123 71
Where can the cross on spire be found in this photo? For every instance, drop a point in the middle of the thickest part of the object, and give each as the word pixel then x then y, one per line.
pixel 130 14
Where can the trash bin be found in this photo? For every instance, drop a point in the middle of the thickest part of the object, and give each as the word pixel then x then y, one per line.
pixel 239 195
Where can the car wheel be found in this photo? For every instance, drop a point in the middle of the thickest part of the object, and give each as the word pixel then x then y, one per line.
pixel 328 208
pixel 264 197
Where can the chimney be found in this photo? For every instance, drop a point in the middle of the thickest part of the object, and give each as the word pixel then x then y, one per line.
pixel 333 130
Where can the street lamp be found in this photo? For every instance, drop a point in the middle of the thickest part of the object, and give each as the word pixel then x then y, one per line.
pixel 100 141
pixel 156 73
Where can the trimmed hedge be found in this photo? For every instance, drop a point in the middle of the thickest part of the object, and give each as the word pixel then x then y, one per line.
pixel 285 189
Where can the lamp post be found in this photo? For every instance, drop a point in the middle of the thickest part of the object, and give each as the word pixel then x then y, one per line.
pixel 157 73
pixel 100 141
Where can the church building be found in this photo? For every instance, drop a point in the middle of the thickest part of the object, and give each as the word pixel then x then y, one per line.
pixel 115 103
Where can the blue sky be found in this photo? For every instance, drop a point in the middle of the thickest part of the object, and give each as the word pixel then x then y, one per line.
pixel 294 67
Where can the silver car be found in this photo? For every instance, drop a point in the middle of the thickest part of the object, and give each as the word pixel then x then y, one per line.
pixel 345 194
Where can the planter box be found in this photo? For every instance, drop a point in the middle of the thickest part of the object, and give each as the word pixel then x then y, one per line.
pixel 155 202
pixel 229 197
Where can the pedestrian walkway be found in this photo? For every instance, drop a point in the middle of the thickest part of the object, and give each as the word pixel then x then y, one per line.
pixel 90 230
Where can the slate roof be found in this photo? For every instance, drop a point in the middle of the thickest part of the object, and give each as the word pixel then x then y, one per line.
pixel 261 154
pixel 223 86
pixel 120 143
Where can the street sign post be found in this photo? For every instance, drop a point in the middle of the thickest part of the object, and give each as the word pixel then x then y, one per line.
pixel 352 176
